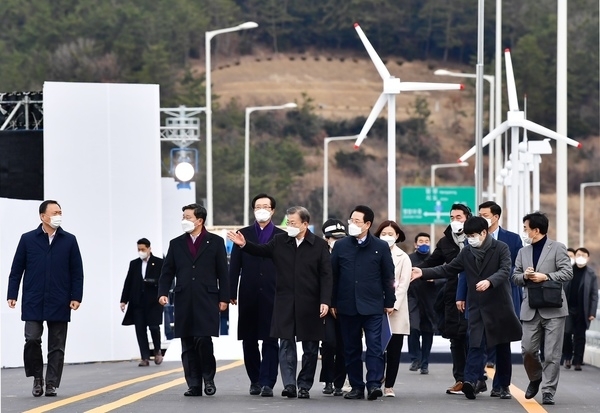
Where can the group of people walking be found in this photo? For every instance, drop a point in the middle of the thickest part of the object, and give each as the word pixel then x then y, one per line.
pixel 479 288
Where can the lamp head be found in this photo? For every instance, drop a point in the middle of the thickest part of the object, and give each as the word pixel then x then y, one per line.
pixel 442 72
pixel 290 105
pixel 248 25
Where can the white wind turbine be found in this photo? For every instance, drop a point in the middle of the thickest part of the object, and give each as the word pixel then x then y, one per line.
pixel 392 86
pixel 515 120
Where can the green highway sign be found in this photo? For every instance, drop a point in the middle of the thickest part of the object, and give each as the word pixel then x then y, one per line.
pixel 423 205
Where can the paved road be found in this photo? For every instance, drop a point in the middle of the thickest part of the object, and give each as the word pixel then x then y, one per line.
pixel 124 387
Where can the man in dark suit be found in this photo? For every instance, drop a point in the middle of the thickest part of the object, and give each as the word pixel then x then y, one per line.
pixel 198 262
pixel 542 259
pixel 364 274
pixel 256 295
pixel 140 291
pixel 302 297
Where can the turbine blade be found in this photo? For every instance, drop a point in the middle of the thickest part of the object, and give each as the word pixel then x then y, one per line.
pixel 381 101
pixel 535 128
pixel 417 86
pixel 487 139
pixel 511 88
pixel 379 65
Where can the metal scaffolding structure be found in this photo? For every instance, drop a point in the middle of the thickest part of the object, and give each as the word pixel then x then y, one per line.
pixel 181 126
pixel 21 111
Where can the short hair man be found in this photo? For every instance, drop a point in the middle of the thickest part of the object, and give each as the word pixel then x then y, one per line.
pixel 542 259
pixel 52 287
pixel 198 262
pixel 139 297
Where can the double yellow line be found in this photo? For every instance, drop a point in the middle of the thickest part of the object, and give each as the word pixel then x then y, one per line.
pixel 132 398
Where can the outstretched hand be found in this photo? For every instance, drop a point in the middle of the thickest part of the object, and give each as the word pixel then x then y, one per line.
pixel 416 273
pixel 236 237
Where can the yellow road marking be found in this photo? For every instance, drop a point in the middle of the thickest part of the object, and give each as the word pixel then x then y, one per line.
pixel 86 395
pixel 530 405
pixel 145 393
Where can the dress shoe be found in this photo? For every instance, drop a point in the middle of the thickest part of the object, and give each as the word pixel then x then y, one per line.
pixel 547 398
pixel 414 366
pixel 469 390
pixel 456 389
pixel 568 364
pixel 158 357
pixel 338 392
pixel 38 387
pixel 533 388
pixel 355 394
pixel 289 391
pixel 50 390
pixel 193 392
pixel 144 363
pixel 480 387
pixel 209 387
pixel 374 393
pixel 266 391
pixel 505 393
pixel 303 393
pixel 328 389
pixel 255 389
pixel 495 392
pixel 577 367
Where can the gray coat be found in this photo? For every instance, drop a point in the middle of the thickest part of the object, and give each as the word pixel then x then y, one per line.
pixel 491 312
pixel 555 263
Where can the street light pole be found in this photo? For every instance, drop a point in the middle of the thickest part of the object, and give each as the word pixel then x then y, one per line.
pixel 582 208
pixel 326 171
pixel 209 175
pixel 434 168
pixel 249 110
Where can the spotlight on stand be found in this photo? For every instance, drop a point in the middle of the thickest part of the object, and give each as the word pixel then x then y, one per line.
pixel 184 164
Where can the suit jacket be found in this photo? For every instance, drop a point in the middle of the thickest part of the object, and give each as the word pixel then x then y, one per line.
pixel 490 311
pixel 399 320
pixel 256 295
pixel 555 263
pixel 515 244
pixel 303 283
pixel 201 283
pixel 141 292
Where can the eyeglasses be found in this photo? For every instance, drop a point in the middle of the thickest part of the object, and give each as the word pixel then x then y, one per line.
pixel 257 207
pixel 355 222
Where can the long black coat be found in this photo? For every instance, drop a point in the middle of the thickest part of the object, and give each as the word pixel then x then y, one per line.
pixel 421 298
pixel 257 279
pixel 141 292
pixel 304 282
pixel 201 283
pixel 490 311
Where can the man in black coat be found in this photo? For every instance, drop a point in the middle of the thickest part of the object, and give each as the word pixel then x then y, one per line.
pixel 256 295
pixel 198 262
pixel 140 291
pixel 302 298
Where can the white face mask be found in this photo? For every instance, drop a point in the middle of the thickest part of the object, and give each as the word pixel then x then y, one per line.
pixel 354 230
pixel 489 221
pixel 457 226
pixel 55 221
pixel 572 261
pixel 187 226
pixel 262 215
pixel 526 239
pixel 474 242
pixel 581 261
pixel 292 231
pixel 389 239
pixel 143 254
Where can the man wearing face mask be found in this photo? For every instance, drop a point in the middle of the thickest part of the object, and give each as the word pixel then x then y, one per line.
pixel 139 297
pixel 198 262
pixel 486 265
pixel 364 275
pixel 542 259
pixel 52 287
pixel 256 295
pixel 453 324
pixel 302 296
pixel 582 298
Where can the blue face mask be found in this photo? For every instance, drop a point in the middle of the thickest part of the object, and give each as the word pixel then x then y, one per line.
pixel 423 249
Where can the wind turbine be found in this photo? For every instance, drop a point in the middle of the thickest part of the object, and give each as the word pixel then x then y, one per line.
pixel 515 120
pixel 392 86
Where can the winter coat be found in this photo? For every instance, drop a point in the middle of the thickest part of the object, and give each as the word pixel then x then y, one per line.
pixel 421 297
pixel 399 319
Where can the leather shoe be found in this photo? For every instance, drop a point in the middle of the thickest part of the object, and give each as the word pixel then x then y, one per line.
pixel 355 394
pixel 266 391
pixel 424 370
pixel 577 367
pixel 255 389
pixel 495 392
pixel 469 390
pixel 158 357
pixel 568 364
pixel 480 387
pixel 328 389
pixel 209 387
pixel 415 365
pixel 37 389
pixel 289 391
pixel 533 388
pixel 50 390
pixel 547 398
pixel 144 363
pixel 338 392
pixel 303 394
pixel 374 393
pixel 193 392
pixel 505 393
